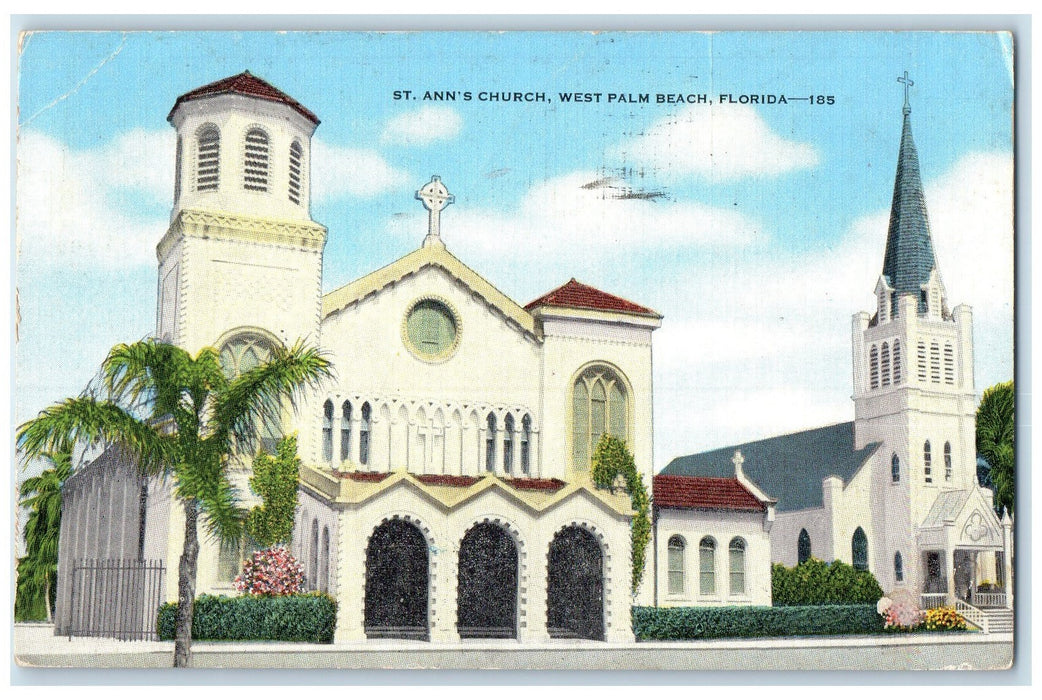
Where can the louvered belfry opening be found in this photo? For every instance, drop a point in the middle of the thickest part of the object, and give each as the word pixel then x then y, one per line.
pixel 256 163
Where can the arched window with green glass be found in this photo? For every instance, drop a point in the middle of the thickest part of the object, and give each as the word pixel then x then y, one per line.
pixel 859 550
pixel 803 546
pixel 599 406
pixel 675 564
pixel 707 566
pixel 736 562
pixel 240 354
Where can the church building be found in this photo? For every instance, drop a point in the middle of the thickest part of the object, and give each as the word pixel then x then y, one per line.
pixel 445 492
pixel 895 490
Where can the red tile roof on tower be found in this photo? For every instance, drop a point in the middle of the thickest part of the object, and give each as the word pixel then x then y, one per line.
pixel 577 295
pixel 244 84
pixel 709 493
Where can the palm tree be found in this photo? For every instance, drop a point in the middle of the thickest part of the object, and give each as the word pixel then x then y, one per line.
pixel 995 434
pixel 183 417
pixel 38 568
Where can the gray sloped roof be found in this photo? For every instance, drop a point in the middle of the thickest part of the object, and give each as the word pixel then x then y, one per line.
pixel 790 467
pixel 946 507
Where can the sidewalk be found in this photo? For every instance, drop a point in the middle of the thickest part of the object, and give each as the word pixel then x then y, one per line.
pixel 36 645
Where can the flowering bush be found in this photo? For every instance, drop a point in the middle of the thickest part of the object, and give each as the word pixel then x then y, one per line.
pixel 943 619
pixel 901 616
pixel 271 571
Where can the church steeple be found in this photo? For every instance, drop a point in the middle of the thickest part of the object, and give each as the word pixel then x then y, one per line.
pixel 909 257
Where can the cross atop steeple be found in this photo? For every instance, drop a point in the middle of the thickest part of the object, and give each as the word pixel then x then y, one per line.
pixel 435 197
pixel 908 83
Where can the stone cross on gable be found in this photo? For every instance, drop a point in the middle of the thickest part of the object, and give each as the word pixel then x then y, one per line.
pixel 738 460
pixel 435 197
pixel 908 82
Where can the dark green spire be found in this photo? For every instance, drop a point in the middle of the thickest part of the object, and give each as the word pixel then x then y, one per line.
pixel 909 259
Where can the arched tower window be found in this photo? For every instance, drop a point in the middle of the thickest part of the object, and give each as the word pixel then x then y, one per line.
pixel 897 362
pixel 255 165
pixel 490 442
pixel 676 564
pixel 598 407
pixel 886 364
pixel 508 443
pixel 345 431
pixel 208 159
pixel 927 462
pixel 707 566
pixel 873 367
pixel 327 431
pixel 364 429
pixel 803 547
pixel 526 441
pixel 949 364
pixel 947 461
pixel 240 354
pixel 859 550
pixel 899 568
pixel 296 161
pixel 895 468
pixel 736 559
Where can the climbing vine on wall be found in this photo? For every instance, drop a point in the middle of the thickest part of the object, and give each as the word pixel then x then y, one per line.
pixel 612 460
pixel 275 481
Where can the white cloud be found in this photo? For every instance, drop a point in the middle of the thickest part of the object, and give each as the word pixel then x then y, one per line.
pixel 77 208
pixel 339 171
pixel 423 126
pixel 722 142
pixel 764 342
pixel 573 213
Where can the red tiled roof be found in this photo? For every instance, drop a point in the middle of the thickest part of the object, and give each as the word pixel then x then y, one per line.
pixel 447 480
pixel 244 84
pixel 582 296
pixel 526 484
pixel 711 493
pixel 362 476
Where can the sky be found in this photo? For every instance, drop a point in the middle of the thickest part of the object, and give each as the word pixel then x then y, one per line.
pixel 756 228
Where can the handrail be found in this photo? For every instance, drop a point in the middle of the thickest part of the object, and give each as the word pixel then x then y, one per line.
pixel 972 615
pixel 928 601
pixel 986 599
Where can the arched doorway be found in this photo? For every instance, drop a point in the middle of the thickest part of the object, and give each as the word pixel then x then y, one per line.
pixel 487 603
pixel 396 582
pixel 575 586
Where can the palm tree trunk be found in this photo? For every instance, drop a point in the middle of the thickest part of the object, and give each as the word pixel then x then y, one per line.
pixel 186 588
pixel 47 598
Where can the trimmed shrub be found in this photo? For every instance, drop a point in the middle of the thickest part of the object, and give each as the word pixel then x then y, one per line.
pixel 816 583
pixel 754 621
pixel 292 618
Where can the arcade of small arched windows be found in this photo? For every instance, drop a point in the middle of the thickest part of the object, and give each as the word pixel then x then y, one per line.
pixel 428 437
pixel 708 567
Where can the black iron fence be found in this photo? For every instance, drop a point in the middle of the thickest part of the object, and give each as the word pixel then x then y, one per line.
pixel 116 598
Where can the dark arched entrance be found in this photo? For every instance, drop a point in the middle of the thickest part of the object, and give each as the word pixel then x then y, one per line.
pixel 575 586
pixel 487 603
pixel 396 577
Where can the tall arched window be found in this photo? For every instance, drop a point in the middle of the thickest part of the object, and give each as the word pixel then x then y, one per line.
pixel 490 442
pixel 312 572
pixel 208 159
pixel 802 547
pixel 255 166
pixel 240 354
pixel 364 428
pixel 508 443
pixel 676 564
pixel 899 568
pixel 927 462
pixel 886 364
pixel 859 550
pixel 296 158
pixel 526 440
pixel 897 362
pixel 947 461
pixel 895 468
pixel 323 572
pixel 327 431
pixel 873 367
pixel 707 566
pixel 598 407
pixel 345 431
pixel 736 558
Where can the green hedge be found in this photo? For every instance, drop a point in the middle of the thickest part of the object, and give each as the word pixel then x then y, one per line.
pixel 816 583
pixel 754 621
pixel 291 618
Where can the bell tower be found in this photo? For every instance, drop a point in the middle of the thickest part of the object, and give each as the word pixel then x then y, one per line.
pixel 913 371
pixel 242 254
